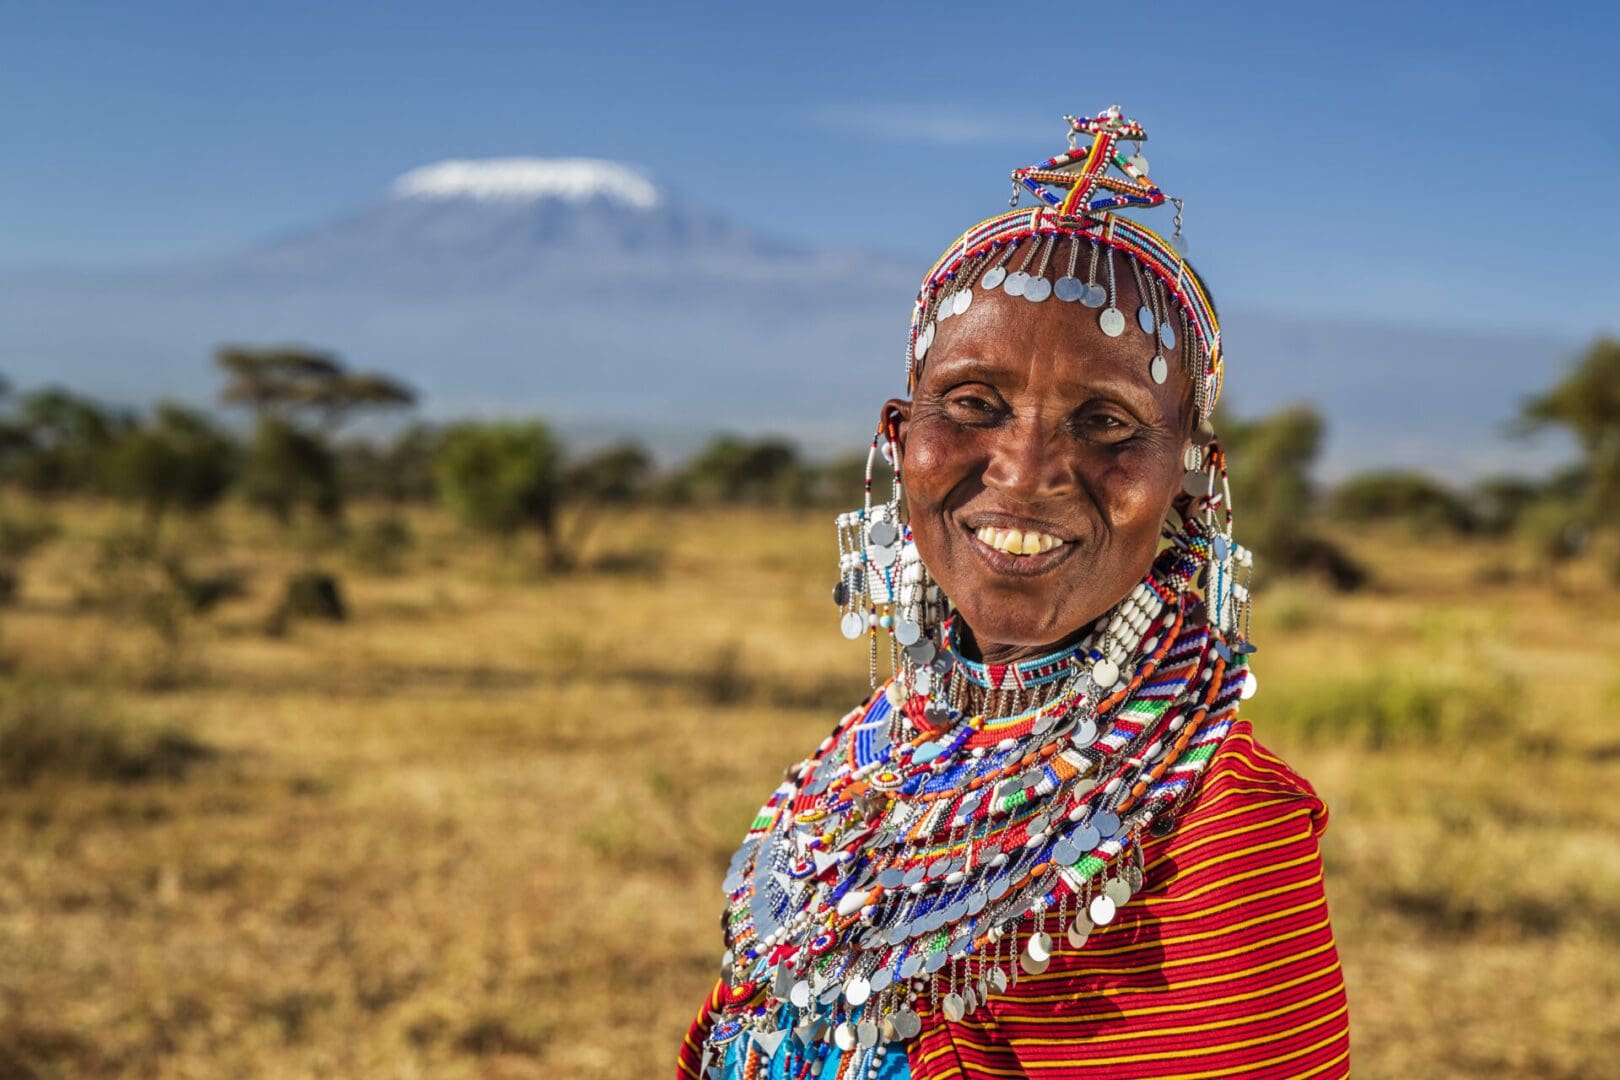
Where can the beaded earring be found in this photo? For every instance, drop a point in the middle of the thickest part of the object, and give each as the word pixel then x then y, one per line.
pixel 882 583
pixel 1229 601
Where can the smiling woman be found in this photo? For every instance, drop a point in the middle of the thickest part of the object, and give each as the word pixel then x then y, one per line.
pixel 1046 845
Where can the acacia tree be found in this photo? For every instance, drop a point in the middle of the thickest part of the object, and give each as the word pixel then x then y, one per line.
pixel 300 397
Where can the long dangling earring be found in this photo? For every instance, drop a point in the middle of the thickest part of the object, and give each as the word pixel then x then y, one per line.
pixel 1228 601
pixel 882 583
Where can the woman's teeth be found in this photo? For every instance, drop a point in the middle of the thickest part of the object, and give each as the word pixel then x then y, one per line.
pixel 1015 542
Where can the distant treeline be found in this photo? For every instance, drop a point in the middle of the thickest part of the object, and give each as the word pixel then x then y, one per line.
pixel 298 460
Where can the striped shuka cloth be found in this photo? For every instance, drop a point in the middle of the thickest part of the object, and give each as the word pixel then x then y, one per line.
pixel 1222 966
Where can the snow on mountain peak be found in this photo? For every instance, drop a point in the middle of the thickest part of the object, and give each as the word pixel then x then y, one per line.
pixel 528 179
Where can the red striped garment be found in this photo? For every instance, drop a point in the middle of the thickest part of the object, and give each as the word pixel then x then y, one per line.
pixel 1222 966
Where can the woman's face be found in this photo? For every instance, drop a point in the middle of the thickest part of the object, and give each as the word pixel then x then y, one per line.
pixel 1028 417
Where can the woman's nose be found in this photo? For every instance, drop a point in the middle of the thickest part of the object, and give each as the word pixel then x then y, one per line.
pixel 1026 462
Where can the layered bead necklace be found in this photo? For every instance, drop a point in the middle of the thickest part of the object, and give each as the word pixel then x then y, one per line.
pixel 922 849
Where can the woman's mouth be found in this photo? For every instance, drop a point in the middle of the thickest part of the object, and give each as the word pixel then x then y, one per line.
pixel 1017 541
pixel 1018 551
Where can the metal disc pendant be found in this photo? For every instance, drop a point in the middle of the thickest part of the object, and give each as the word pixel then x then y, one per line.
pixel 1144 319
pixel 896 694
pixel 920 349
pixel 800 994
pixel 1195 483
pixel 907 632
pixel 953 1007
pixel 922 652
pixel 1085 734
pixel 1079 931
pixel 1033 966
pixel 1159 369
pixel 1014 285
pixel 882 555
pixel 998 980
pixel 961 301
pixel 1135 878
pixel 853 624
pixel 1167 335
pixel 1069 289
pixel 1105 673
pixel 1111 321
pixel 1106 822
pixel 1250 685
pixel 1040 946
pixel 1037 289
pixel 844 1036
pixel 906 1023
pixel 882 533
pixel 857 990
pixel 1178 244
pixel 1095 296
pixel 946 308
pixel 1101 911
pixel 866 1034
pixel 1117 891
pixel 993 277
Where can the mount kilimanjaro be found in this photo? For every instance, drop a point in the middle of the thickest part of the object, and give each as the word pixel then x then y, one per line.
pixel 580 290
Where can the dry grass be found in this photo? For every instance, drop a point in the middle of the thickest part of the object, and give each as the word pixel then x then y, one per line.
pixel 478 829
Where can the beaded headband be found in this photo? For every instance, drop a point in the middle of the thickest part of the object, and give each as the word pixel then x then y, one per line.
pixel 1080 199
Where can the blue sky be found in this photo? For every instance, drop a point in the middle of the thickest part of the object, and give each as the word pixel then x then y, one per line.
pixel 1440 164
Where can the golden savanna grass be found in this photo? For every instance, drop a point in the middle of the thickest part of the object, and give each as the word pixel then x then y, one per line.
pixel 478 829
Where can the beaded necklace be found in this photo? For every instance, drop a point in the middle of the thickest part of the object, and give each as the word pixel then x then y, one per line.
pixel 902 858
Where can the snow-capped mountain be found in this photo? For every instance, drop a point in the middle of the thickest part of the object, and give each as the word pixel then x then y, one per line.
pixel 581 290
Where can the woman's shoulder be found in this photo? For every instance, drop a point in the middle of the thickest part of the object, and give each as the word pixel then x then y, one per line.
pixel 1245 774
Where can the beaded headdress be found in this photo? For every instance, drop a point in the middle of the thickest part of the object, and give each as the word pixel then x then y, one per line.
pixel 1080 194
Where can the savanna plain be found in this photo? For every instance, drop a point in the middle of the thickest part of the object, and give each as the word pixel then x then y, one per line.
pixel 477 827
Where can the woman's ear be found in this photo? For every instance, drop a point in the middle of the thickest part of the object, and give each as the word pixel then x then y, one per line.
pixel 892 421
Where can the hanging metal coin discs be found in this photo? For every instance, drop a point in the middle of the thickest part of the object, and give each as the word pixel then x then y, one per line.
pixel 1040 946
pixel 993 277
pixel 1195 483
pixel 1105 672
pixel 882 533
pixel 1069 289
pixel 857 990
pixel 1095 296
pixel 1101 911
pixel 866 1035
pixel 953 1007
pixel 1117 891
pixel 844 1036
pixel 882 556
pixel 1014 285
pixel 1037 289
pixel 1159 369
pixel 1144 319
pixel 1167 335
pixel 906 1023
pixel 853 624
pixel 907 632
pixel 1079 931
pixel 1250 685
pixel 1112 322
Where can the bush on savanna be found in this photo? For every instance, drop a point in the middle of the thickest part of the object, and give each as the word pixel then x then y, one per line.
pixel 178 460
pixel 505 477
pixel 1268 463
pixel 1396 495
pixel 1387 706
pixel 379 545
pixel 45 734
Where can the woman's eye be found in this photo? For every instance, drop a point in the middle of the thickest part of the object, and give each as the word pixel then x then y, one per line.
pixel 974 403
pixel 1105 426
